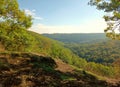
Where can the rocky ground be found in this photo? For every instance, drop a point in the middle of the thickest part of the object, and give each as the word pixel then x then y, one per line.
pixel 34 70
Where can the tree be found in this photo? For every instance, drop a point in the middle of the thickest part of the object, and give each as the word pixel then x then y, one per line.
pixel 13 25
pixel 13 16
pixel 112 8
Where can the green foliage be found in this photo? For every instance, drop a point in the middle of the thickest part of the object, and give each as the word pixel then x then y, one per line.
pixel 111 7
pixel 100 69
pixel 13 16
pixel 13 23
pixel 56 49
pixel 16 40
pixel 91 47
pixel 105 52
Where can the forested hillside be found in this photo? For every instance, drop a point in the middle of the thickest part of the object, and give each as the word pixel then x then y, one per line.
pixel 78 37
pixel 104 52
pixel 98 49
pixel 55 49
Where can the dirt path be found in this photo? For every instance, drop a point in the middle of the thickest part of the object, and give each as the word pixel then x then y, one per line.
pixel 63 67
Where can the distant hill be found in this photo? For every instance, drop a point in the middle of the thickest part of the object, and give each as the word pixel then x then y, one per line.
pixel 78 37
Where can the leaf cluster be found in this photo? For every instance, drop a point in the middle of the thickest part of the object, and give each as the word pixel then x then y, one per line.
pixel 112 8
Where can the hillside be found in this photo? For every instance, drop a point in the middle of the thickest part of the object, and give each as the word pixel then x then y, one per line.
pixel 57 50
pixel 39 44
pixel 105 52
pixel 94 47
pixel 28 69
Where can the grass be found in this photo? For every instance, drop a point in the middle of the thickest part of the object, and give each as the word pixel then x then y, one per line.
pixel 87 72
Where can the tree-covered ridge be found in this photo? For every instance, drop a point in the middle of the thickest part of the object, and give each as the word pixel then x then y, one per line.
pixel 92 47
pixel 56 49
pixel 78 38
pixel 105 52
pixel 100 51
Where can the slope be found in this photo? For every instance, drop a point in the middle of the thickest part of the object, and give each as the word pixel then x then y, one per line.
pixel 97 49
pixel 29 69
pixel 104 52
pixel 56 49
pixel 39 44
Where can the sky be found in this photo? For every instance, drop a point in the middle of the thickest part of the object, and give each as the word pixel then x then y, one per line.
pixel 63 16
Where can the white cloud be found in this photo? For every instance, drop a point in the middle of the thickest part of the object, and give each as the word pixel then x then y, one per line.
pixel 92 26
pixel 33 14
pixel 38 18
pixel 29 12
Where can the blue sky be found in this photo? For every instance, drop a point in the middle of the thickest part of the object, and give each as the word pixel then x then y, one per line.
pixel 63 16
